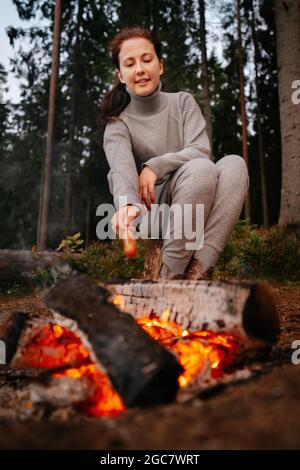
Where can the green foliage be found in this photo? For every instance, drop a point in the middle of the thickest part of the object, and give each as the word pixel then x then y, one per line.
pixel 261 254
pixel 47 277
pixel 103 261
pixel 71 244
pixel 43 278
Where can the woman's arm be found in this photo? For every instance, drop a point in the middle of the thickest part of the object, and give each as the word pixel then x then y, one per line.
pixel 196 143
pixel 123 177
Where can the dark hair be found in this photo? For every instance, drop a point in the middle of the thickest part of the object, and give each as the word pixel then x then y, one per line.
pixel 116 99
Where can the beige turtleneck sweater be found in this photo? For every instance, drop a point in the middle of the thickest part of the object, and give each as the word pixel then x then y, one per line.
pixel 162 131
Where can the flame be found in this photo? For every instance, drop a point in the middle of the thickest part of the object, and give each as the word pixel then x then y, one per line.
pixel 54 346
pixel 193 349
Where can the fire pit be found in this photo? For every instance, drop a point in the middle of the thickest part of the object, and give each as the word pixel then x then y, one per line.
pixel 93 355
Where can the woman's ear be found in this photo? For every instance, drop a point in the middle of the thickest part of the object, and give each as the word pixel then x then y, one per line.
pixel 118 73
pixel 161 66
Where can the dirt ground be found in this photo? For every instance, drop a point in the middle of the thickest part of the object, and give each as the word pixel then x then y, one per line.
pixel 261 412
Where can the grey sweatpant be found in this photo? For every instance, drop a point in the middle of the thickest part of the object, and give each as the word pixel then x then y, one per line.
pixel 221 187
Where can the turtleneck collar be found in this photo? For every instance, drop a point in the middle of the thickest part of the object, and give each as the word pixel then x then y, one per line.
pixel 146 105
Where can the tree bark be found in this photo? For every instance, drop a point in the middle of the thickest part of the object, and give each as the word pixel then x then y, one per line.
pixel 205 78
pixel 87 219
pixel 259 121
pixel 68 209
pixel 242 100
pixel 46 178
pixel 69 192
pixel 287 14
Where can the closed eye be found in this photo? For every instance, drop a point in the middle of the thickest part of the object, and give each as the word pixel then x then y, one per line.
pixel 130 65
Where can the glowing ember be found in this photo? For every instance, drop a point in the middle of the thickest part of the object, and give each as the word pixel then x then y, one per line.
pixel 118 300
pixel 53 346
pixel 105 401
pixel 193 349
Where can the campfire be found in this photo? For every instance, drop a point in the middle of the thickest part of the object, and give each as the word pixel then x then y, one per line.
pixel 101 360
pixel 55 347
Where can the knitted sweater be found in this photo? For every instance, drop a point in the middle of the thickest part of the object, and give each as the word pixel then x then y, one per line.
pixel 162 131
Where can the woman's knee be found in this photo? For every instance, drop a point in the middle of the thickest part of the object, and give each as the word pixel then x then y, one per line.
pixel 201 168
pixel 234 161
pixel 236 166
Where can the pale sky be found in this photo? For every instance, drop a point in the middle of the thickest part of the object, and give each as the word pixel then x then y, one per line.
pixel 9 17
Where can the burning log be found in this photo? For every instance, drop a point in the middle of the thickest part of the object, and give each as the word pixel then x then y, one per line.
pixel 244 309
pixel 20 265
pixel 63 367
pixel 140 369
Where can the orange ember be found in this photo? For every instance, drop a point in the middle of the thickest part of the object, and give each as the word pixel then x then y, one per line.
pixel 104 401
pixel 193 349
pixel 53 346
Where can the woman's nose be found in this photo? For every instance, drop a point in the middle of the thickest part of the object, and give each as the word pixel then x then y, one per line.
pixel 139 68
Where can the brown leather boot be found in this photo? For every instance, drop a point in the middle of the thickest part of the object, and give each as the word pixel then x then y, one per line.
pixel 193 271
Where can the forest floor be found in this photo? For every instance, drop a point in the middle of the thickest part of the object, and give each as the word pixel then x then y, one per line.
pixel 262 412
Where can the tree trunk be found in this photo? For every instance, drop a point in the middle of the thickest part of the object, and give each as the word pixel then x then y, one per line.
pixel 68 209
pixel 154 15
pixel 287 15
pixel 46 178
pixel 205 78
pixel 69 191
pixel 87 220
pixel 259 121
pixel 242 100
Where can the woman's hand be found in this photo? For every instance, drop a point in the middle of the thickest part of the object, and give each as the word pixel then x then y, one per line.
pixel 122 219
pixel 147 180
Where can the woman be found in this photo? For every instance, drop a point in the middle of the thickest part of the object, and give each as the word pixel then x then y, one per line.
pixel 158 152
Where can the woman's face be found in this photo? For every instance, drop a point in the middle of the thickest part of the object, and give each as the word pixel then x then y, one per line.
pixel 140 68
